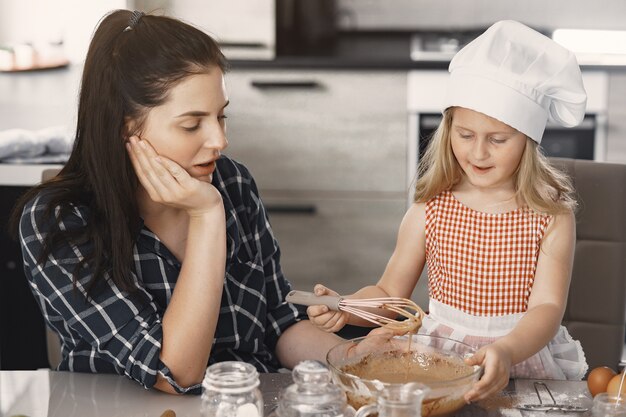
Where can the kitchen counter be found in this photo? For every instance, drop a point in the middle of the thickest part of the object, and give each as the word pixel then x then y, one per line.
pixel 362 50
pixel 370 50
pixel 23 175
pixel 45 393
pixel 40 99
pixel 349 50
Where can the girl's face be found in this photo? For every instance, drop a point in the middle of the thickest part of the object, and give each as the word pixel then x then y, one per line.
pixel 487 150
pixel 189 128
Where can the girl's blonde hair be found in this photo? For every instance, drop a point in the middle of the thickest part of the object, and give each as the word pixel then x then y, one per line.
pixel 538 184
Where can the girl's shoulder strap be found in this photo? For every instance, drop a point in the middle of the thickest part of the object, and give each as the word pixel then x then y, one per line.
pixel 433 204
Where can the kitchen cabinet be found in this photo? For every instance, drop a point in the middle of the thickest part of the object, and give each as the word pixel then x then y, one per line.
pixel 616 147
pixel 320 130
pixel 344 244
pixel 328 151
pixel 22 328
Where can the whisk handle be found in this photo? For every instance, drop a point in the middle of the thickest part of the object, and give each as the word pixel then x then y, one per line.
pixel 310 299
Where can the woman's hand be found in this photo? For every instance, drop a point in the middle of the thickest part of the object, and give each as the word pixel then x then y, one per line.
pixel 496 362
pixel 168 183
pixel 324 318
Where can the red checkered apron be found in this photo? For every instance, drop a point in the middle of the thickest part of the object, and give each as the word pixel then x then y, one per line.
pixel 481 268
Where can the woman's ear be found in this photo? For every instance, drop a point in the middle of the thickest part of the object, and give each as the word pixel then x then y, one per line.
pixel 130 128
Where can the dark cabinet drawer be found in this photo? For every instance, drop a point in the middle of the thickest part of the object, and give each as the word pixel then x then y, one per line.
pixel 22 329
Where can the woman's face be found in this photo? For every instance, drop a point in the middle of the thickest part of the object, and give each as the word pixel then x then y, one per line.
pixel 487 150
pixel 189 128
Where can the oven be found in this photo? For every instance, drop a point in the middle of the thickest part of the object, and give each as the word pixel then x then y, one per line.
pixel 577 142
pixel 585 141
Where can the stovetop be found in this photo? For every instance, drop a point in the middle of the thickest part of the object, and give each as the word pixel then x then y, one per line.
pixel 440 45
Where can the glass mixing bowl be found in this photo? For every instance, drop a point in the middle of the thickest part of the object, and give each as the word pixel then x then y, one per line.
pixel 362 367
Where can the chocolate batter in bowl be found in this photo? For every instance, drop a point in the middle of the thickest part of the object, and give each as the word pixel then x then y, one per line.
pixel 364 366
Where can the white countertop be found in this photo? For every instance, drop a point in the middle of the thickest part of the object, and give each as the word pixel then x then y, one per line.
pixel 46 393
pixel 23 175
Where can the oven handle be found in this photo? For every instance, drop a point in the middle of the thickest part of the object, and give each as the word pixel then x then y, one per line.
pixel 301 209
pixel 431 121
pixel 285 84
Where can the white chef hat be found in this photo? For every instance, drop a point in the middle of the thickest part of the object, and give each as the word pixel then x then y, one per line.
pixel 520 77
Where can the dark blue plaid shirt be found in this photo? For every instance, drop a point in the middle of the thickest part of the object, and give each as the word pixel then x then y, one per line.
pixel 116 333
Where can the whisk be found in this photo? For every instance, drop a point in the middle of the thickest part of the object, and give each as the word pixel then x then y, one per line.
pixel 401 306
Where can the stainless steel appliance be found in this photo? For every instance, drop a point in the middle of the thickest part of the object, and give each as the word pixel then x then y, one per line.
pixel 440 45
pixel 577 142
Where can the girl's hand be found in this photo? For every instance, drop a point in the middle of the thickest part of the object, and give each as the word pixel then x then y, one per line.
pixel 168 183
pixel 379 339
pixel 324 318
pixel 497 364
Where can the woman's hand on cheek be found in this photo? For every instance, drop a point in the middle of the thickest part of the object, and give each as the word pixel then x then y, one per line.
pixel 496 362
pixel 168 183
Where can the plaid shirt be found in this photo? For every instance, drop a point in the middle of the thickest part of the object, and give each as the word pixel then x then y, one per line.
pixel 117 333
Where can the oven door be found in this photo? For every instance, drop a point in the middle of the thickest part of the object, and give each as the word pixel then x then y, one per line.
pixel 575 142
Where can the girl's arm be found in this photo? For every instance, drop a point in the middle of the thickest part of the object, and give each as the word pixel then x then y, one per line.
pixel 546 307
pixel 399 279
pixel 407 261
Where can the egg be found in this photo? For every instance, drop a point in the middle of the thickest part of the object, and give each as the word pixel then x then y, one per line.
pixel 613 386
pixel 599 378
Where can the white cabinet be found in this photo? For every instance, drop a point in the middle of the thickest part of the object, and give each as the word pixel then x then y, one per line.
pixel 616 147
pixel 320 130
pixel 328 152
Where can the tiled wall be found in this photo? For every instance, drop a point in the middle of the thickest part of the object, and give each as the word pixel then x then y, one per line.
pixel 425 14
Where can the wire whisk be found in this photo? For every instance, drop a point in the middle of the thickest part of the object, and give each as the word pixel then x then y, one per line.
pixel 362 308
pixel 547 407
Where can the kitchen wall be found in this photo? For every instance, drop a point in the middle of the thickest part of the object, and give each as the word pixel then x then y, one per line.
pixel 42 21
pixel 436 14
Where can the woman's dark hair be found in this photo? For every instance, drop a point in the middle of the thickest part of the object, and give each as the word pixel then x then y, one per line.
pixel 127 71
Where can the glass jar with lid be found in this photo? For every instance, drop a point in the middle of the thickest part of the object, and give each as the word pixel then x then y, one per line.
pixel 312 394
pixel 607 405
pixel 231 389
pixel 397 400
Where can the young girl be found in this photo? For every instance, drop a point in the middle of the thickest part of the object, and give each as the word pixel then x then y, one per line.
pixel 150 254
pixel 492 220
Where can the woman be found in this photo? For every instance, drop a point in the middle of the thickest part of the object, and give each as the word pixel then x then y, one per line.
pixel 151 254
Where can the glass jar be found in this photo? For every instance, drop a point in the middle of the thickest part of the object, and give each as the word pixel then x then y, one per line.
pixel 606 405
pixel 312 394
pixel 398 400
pixel 231 389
